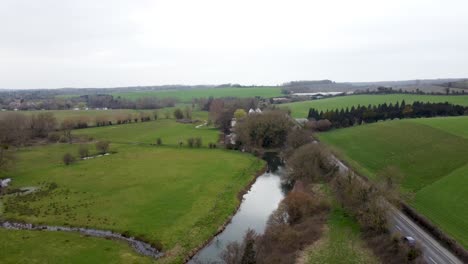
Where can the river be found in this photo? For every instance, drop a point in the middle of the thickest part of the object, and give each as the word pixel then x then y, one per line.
pixel 256 207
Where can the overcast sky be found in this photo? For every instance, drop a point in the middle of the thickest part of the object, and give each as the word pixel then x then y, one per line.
pixel 109 43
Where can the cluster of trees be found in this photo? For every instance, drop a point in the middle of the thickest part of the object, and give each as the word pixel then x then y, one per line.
pixel 52 102
pixel 365 202
pixel 221 110
pixel 194 142
pixel 186 113
pixel 267 130
pixel 369 114
pixel 390 90
pixel 17 129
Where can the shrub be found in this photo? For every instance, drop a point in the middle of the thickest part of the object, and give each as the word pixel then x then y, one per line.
pixel 63 139
pixel 324 125
pixel 159 141
pixel 102 146
pixel 198 142
pixel 178 114
pixel 53 137
pixel 190 142
pixel 83 151
pixel 68 159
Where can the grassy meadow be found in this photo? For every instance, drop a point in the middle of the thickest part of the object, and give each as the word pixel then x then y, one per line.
pixel 301 109
pixel 168 130
pixel 188 95
pixel 177 197
pixel 341 242
pixel 35 247
pixel 433 155
pixel 90 114
pixel 111 114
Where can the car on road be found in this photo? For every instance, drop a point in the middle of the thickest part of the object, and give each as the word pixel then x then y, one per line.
pixel 409 240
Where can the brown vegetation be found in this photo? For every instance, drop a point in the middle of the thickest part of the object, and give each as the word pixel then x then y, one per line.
pixel 102 146
pixel 309 162
pixel 68 159
pixel 365 202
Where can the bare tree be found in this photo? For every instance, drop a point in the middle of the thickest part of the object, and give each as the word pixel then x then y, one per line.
pixel 83 151
pixel 102 146
pixel 68 159
pixel 14 129
pixel 67 127
pixel 42 124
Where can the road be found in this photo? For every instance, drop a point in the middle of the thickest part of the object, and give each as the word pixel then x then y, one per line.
pixel 433 251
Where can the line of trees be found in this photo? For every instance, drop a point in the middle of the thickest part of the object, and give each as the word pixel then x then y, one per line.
pixel 358 115
pixel 17 129
pixel 31 102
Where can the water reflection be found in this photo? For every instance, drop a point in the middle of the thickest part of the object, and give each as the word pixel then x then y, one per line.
pixel 258 204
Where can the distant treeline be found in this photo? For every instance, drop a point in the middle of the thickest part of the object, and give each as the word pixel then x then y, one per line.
pixel 85 101
pixel 390 90
pixel 346 117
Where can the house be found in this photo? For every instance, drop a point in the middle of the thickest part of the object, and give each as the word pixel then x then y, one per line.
pixel 301 121
pixel 281 100
pixel 256 111
pixel 233 122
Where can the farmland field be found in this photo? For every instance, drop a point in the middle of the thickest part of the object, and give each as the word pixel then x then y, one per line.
pixel 187 95
pixel 111 114
pixel 432 153
pixel 19 246
pixel 91 114
pixel 174 196
pixel 168 130
pixel 301 109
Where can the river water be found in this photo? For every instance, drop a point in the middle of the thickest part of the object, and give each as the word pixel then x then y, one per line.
pixel 257 205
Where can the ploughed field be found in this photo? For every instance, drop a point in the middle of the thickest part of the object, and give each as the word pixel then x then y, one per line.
pixel 301 109
pixel 188 95
pixel 174 196
pixel 431 152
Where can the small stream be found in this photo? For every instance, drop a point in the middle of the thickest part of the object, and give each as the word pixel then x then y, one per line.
pixel 257 205
pixel 139 246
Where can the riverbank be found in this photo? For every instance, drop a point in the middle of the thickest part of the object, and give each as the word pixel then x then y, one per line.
pixel 240 197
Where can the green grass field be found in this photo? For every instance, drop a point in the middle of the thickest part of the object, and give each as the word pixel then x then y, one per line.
pixel 176 196
pixel 36 247
pixel 91 114
pixel 301 109
pixel 111 114
pixel 188 95
pixel 341 242
pixel 168 130
pixel 432 153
